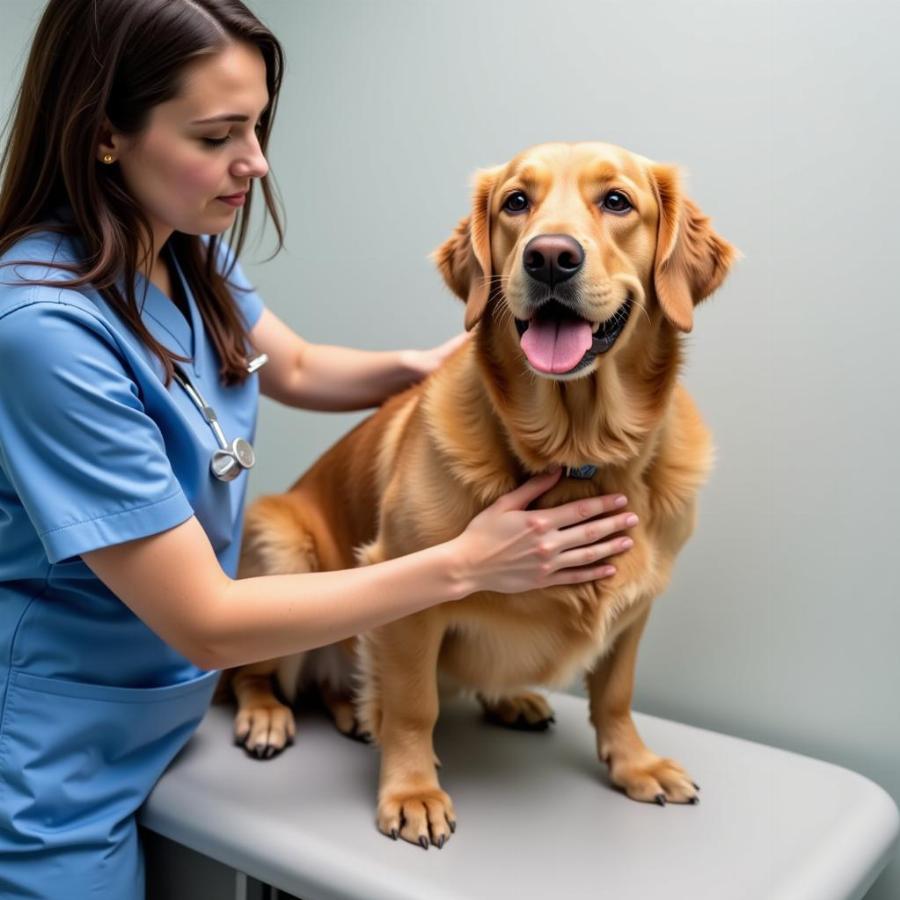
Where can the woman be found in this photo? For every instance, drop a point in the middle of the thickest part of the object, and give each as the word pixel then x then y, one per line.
pixel 123 318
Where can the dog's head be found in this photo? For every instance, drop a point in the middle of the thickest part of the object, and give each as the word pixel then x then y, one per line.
pixel 573 239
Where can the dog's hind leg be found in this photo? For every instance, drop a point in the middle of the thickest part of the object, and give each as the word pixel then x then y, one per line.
pixel 340 705
pixel 332 671
pixel 524 711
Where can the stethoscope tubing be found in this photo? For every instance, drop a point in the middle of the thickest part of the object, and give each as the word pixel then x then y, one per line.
pixel 230 459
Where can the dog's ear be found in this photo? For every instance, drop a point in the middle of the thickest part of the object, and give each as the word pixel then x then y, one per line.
pixel 691 259
pixel 464 259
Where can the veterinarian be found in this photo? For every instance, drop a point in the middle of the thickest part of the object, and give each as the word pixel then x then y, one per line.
pixel 133 351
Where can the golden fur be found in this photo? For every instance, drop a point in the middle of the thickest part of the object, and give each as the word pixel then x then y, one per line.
pixel 417 471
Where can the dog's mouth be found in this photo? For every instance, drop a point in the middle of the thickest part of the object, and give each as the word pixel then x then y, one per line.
pixel 557 341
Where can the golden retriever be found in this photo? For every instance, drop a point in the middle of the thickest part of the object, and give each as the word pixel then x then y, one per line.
pixel 580 266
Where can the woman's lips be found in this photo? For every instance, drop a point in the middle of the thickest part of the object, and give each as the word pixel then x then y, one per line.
pixel 234 199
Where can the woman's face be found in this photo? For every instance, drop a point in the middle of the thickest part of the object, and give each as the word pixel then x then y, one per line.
pixel 178 167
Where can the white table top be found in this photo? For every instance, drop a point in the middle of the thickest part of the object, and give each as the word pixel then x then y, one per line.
pixel 537 817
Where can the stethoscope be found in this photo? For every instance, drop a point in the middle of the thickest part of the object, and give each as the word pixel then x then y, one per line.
pixel 230 459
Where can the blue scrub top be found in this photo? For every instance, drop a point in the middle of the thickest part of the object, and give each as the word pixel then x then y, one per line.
pixel 96 450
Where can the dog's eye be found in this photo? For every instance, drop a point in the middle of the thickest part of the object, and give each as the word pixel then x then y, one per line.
pixel 516 202
pixel 616 201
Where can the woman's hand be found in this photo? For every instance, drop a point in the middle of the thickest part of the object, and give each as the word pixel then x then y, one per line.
pixel 424 362
pixel 510 549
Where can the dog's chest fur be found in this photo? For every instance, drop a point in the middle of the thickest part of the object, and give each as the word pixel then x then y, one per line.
pixel 500 642
pixel 462 461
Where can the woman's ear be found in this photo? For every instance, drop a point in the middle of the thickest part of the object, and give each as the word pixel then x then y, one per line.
pixel 110 141
pixel 691 259
pixel 464 259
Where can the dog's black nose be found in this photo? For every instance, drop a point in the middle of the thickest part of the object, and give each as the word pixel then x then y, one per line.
pixel 552 258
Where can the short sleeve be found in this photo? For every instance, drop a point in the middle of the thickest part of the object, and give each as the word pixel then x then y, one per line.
pixel 245 296
pixel 88 464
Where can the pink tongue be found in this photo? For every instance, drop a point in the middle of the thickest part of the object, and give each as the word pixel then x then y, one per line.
pixel 556 346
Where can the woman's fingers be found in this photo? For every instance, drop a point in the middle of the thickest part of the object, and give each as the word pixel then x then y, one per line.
pixel 590 555
pixel 579 510
pixel 521 496
pixel 581 556
pixel 579 575
pixel 512 548
pixel 595 530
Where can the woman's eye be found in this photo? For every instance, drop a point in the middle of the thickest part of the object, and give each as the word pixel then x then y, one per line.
pixel 218 142
pixel 516 202
pixel 616 201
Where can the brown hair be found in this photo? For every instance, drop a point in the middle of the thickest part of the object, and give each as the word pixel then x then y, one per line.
pixel 119 59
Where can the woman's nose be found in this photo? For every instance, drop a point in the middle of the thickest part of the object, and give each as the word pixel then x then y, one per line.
pixel 252 166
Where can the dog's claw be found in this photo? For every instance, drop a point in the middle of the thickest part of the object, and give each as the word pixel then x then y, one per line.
pixel 661 799
pixel 696 786
pixel 363 737
pixel 394 834
pixel 452 826
pixel 694 800
pixel 423 842
pixel 440 844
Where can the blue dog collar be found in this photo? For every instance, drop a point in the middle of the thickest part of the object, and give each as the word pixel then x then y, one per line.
pixel 583 472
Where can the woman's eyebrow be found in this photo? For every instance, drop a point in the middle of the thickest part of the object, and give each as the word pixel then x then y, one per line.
pixel 226 117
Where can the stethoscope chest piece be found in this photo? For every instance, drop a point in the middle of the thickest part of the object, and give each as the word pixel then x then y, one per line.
pixel 230 459
pixel 228 463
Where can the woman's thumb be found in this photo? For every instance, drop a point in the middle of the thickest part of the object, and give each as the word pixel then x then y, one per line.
pixel 521 496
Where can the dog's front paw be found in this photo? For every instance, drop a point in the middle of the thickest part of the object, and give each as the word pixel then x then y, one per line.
pixel 417 816
pixel 265 729
pixel 652 779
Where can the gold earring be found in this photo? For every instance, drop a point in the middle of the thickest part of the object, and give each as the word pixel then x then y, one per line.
pixel 108 158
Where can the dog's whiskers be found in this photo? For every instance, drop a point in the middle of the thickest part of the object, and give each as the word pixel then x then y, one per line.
pixel 642 307
pixel 502 279
pixel 505 316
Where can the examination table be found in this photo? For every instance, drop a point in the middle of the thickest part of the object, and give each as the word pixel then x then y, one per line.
pixel 538 818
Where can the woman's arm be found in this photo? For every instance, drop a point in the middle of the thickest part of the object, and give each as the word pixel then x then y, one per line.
pixel 325 377
pixel 174 583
